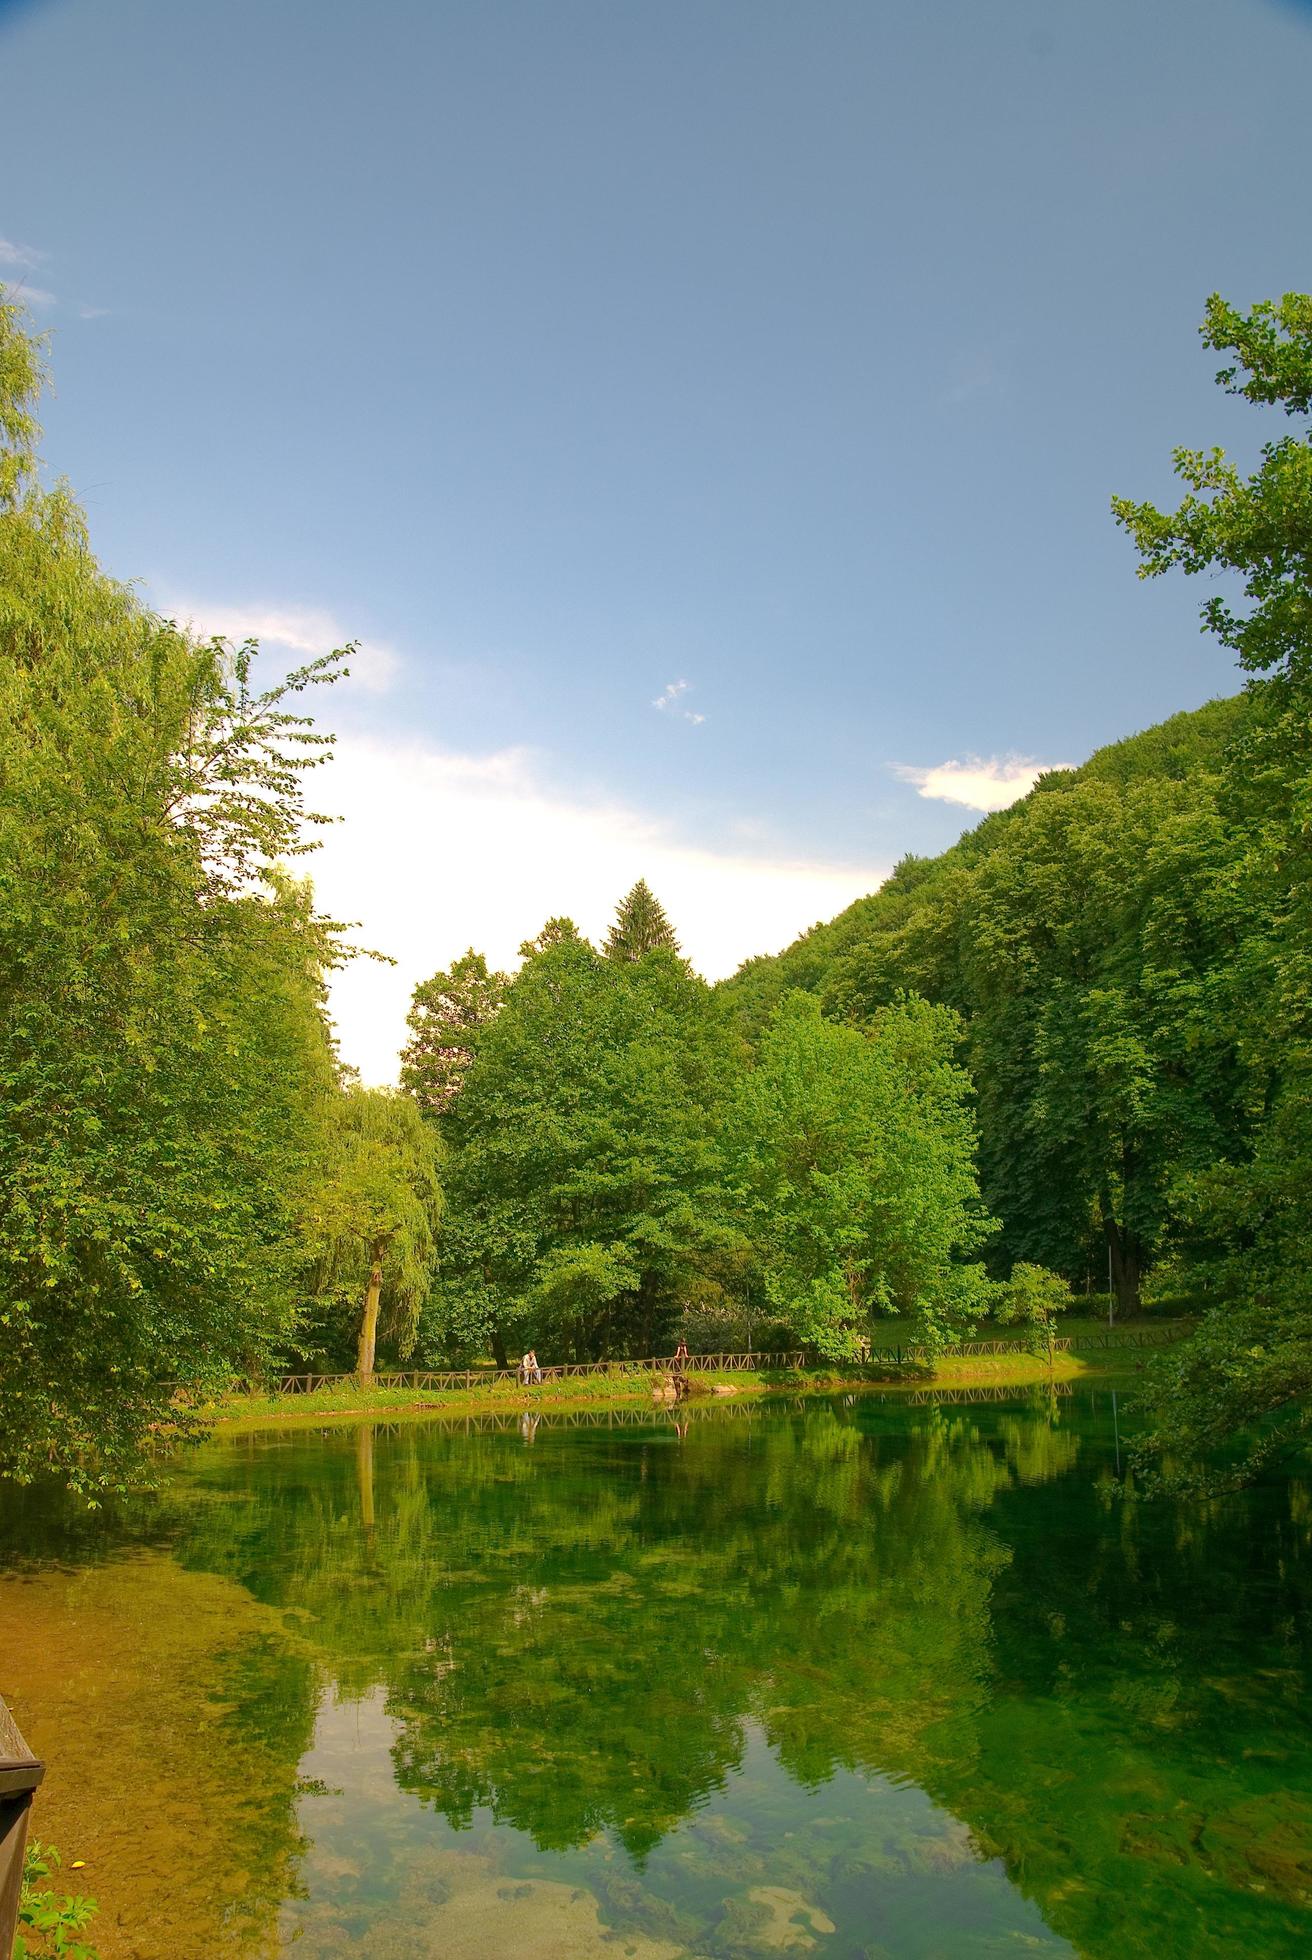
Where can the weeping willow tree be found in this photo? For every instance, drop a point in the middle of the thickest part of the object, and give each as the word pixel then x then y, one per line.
pixel 373 1226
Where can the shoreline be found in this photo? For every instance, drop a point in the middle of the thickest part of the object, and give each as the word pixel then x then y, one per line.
pixel 247 1415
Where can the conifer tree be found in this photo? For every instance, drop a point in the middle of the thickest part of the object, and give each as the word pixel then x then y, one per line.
pixel 640 927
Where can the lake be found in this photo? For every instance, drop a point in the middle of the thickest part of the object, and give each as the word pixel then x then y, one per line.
pixel 858 1677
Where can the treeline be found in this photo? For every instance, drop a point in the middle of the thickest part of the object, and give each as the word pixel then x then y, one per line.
pixel 1091 938
pixel 620 1165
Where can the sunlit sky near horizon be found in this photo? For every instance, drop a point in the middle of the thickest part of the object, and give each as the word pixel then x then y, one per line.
pixel 704 413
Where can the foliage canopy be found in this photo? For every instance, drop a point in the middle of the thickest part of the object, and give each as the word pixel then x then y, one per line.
pixel 164 1058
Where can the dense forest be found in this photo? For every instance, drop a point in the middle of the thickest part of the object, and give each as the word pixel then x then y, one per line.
pixel 1075 1044
pixel 1086 937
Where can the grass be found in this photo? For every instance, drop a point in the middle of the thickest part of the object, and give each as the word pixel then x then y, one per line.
pixel 344 1402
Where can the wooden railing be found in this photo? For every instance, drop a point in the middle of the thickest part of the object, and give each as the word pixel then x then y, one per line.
pixel 20 1772
pixel 1133 1337
pixel 447 1380
pixel 1091 1343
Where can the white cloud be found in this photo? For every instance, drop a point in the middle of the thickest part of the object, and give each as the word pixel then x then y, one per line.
pixel 978 782
pixel 21 257
pixel 299 629
pixel 92 312
pixel 671 701
pixel 16 262
pixel 440 851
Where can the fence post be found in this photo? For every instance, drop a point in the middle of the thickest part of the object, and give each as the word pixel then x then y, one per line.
pixel 20 1772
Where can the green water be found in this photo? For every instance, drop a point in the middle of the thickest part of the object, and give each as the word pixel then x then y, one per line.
pixel 849 1678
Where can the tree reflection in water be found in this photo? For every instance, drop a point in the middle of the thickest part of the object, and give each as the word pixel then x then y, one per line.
pixel 843 1660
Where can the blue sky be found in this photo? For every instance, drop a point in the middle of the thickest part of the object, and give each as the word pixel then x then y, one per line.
pixel 564 352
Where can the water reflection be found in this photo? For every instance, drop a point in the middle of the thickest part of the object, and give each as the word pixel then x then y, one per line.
pixel 854 1677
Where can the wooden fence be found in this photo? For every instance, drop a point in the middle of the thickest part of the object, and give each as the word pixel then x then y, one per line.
pixel 1098 1342
pixel 20 1772
pixel 446 1380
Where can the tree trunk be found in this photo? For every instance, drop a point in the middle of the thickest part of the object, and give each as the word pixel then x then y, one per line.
pixel 364 1471
pixel 364 1359
pixel 646 1314
pixel 498 1340
pixel 1123 1250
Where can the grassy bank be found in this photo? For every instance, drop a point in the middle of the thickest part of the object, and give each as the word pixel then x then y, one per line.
pixel 343 1402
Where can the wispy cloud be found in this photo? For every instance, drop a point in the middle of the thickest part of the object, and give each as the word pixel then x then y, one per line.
pixel 306 630
pixel 978 782
pixel 671 702
pixel 20 258
pixel 16 262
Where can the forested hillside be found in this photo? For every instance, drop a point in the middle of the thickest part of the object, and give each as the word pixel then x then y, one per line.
pixel 1187 745
pixel 1081 935
pixel 1128 950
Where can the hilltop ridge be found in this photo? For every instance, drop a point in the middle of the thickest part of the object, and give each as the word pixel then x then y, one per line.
pixel 1185 744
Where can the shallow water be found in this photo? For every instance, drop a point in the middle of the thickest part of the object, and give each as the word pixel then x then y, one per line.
pixel 849 1678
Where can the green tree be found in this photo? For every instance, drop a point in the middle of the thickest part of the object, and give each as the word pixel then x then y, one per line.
pixel 1087 953
pixel 852 1157
pixel 1246 1240
pixel 164 1056
pixel 447 1013
pixel 1032 1298
pixel 558 931
pixel 640 926
pixel 373 1224
pixel 1085 937
pixel 1256 526
pixel 584 1173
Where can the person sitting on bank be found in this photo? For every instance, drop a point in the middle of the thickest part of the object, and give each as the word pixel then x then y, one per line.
pixel 681 1355
pixel 532 1373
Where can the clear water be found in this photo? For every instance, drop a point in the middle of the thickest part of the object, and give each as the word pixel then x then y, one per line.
pixel 864 1677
